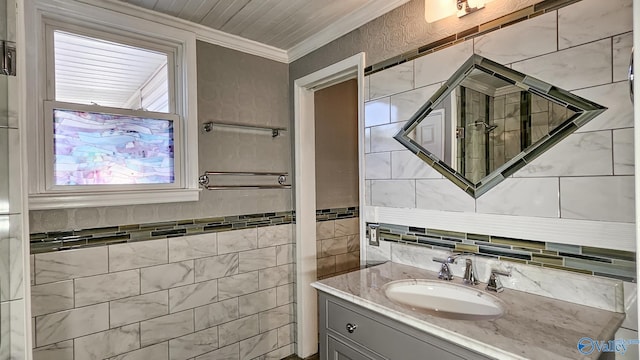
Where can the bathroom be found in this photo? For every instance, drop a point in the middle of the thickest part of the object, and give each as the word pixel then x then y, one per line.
pixel 191 281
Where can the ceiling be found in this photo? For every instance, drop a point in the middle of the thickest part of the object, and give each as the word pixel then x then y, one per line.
pixel 283 24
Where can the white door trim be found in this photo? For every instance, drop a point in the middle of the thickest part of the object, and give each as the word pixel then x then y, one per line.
pixel 305 189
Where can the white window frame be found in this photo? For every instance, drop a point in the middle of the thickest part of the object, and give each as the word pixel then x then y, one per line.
pixel 44 16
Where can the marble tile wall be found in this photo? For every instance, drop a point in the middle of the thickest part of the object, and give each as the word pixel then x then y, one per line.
pixel 588 176
pixel 337 246
pixel 209 296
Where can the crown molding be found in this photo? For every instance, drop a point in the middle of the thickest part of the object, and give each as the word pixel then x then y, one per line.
pixel 351 21
pixel 202 32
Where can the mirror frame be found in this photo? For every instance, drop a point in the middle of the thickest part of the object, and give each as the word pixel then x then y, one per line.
pixel 584 110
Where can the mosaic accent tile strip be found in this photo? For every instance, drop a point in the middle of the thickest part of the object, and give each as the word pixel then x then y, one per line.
pixel 482 29
pixel 581 259
pixel 65 240
pixel 337 213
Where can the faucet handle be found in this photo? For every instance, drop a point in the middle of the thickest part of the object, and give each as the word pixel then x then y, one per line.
pixel 494 283
pixel 445 272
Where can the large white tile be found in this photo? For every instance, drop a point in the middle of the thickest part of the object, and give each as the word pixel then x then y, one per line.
pixel 191 345
pixel 53 297
pixel 276 317
pixel 405 105
pixel 615 97
pixel 18 328
pixel 630 305
pixel 366 88
pixel 256 302
pixel 506 45
pixel 382 138
pixel 238 240
pixel 275 235
pixel 162 277
pixel 440 65
pixel 155 352
pixel 522 197
pixel 350 226
pixel 236 285
pixel 216 313
pixel 325 229
pixel 275 276
pixel 257 259
pixel 101 288
pixel 107 343
pixel 191 296
pixel 574 68
pixel 138 254
pixel 393 193
pixel 622 56
pixel 378 165
pixel 606 198
pixel 71 324
pixel 16 258
pixel 442 194
pixel 231 352
pixel 377 112
pixel 192 247
pixel 583 154
pixel 240 329
pixel 5 261
pixel 393 80
pixel 285 254
pixel 216 267
pixel 407 165
pixel 367 140
pixel 259 345
pixel 590 20
pixel 166 327
pixel 623 157
pixel 70 264
pixel 284 294
pixel 138 308
pixel 59 351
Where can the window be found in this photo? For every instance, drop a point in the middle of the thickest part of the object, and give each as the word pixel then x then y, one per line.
pixel 114 123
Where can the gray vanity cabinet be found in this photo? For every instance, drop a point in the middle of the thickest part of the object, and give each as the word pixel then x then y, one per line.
pixel 351 332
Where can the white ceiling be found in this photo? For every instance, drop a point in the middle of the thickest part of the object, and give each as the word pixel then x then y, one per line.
pixel 282 24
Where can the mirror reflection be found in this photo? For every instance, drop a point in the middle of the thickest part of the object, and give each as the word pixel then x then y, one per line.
pixel 487 121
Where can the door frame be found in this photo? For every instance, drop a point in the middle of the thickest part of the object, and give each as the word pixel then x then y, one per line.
pixel 305 189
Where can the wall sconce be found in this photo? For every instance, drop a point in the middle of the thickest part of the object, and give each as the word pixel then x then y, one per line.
pixel 435 10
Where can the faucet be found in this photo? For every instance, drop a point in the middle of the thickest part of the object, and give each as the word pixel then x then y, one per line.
pixel 469 278
pixel 494 283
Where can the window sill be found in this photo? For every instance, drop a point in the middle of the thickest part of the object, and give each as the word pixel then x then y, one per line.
pixel 64 201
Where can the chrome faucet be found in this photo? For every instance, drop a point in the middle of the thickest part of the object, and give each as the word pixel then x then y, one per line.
pixel 469 278
pixel 494 283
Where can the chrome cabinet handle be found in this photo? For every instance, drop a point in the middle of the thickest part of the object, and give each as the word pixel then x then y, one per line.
pixel 351 328
pixel 631 76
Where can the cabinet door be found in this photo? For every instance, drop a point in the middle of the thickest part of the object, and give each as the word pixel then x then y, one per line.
pixel 338 350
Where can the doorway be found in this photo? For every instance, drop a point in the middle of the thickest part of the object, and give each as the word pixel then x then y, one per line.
pixel 305 189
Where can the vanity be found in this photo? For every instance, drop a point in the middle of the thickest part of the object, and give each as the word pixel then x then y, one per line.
pixel 359 321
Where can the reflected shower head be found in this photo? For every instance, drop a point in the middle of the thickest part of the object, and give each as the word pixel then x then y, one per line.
pixel 487 128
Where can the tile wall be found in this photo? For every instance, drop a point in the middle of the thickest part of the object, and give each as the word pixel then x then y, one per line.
pixel 208 296
pixel 597 160
pixel 337 245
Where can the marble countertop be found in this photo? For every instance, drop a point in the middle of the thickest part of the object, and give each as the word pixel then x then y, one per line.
pixel 532 327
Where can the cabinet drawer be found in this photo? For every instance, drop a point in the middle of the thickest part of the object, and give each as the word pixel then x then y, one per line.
pixel 382 339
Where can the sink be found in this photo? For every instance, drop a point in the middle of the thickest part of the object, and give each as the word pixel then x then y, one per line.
pixel 444 299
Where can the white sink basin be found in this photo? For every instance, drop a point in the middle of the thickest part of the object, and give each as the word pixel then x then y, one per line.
pixel 445 299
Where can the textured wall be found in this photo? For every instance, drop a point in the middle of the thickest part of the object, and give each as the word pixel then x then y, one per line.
pixel 220 295
pixel 233 87
pixel 336 130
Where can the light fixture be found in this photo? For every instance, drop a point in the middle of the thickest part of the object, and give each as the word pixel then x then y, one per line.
pixel 435 10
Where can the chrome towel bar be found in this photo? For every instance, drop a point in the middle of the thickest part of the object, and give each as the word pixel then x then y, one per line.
pixel 282 179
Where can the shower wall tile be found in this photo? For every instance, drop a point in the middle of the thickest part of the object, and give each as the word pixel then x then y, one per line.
pixel 522 197
pixel 377 112
pixel 138 254
pixel 192 247
pixel 166 327
pixel 100 288
pixel 441 194
pixel 257 259
pixel 4 169
pixel 191 345
pixel 623 152
pixel 108 343
pixel 378 165
pixel 325 230
pixel 506 46
pixel 69 324
pixel 367 140
pixel 240 329
pixel 440 65
pixel 216 267
pixel 406 165
pixel 590 20
pixel 382 138
pixel 216 314
pixel 52 297
pixel 615 97
pixel 583 154
pixel 191 296
pixel 561 68
pixel 366 89
pixel 347 226
pixel 607 198
pixel 274 235
pixel 230 352
pixel 622 56
pixel 393 193
pixel 236 285
pixel 257 302
pixel 397 79
pixel 59 351
pixel 156 352
pixel 405 104
pixel 70 264
pixel 258 344
pixel 234 241
pixel 138 308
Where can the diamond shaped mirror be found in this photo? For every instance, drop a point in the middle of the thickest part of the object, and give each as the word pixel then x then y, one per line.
pixel 487 121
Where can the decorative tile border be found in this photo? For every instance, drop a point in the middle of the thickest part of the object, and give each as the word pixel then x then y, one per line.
pixel 65 240
pixel 337 213
pixel 496 24
pixel 582 259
